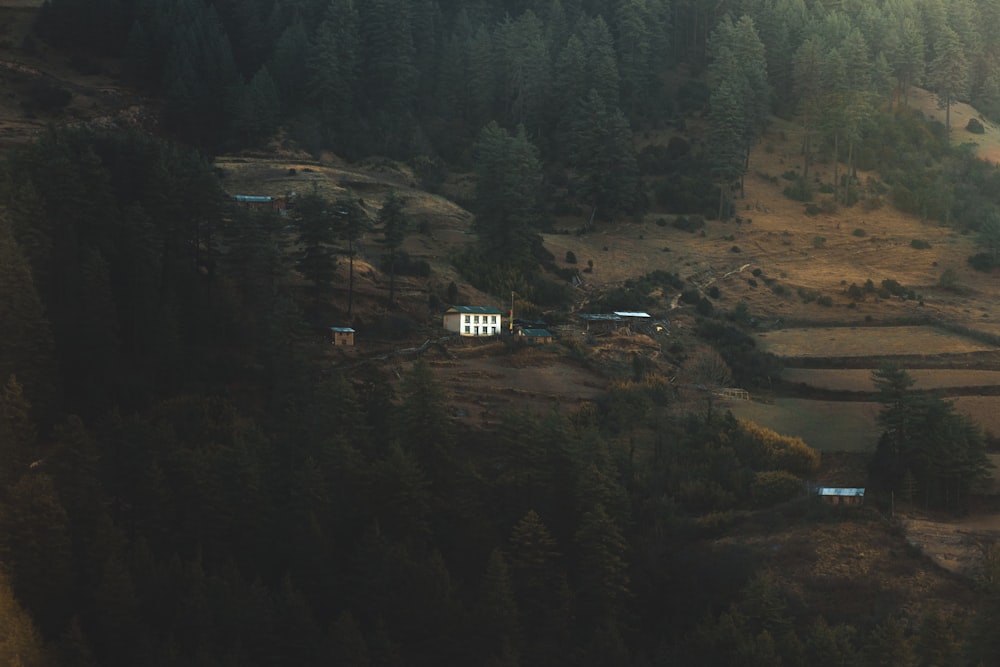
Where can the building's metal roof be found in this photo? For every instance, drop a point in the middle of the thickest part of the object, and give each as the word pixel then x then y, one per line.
pixel 625 313
pixel 255 199
pixel 342 329
pixel 600 317
pixel 537 333
pixel 475 310
pixel 839 491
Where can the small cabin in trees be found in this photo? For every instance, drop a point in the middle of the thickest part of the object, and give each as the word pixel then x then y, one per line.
pixel 342 336
pixel 834 495
pixel 474 320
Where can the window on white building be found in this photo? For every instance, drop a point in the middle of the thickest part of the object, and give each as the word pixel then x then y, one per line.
pixel 477 319
pixel 466 328
pixel 466 319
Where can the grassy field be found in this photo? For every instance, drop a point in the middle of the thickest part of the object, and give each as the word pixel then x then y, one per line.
pixel 824 425
pixel 860 379
pixel 866 342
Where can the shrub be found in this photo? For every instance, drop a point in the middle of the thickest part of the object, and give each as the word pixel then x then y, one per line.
pixel 920 244
pixel 825 301
pixel 812 209
pixel 807 295
pixel 570 257
pixel 855 293
pixel 819 241
pixel 948 280
pixel 764 449
pixel 773 487
pixel 757 272
pixel 859 232
pixel 661 222
pixel 690 296
pixel 981 261
pixel 975 126
pixel 714 292
pixel 799 190
pixel 46 96
pixel 735 248
pixel 689 225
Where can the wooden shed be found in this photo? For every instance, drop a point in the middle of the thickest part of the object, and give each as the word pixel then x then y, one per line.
pixel 835 495
pixel 342 336
pixel 536 336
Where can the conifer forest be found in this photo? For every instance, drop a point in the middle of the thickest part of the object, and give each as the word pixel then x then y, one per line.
pixel 186 481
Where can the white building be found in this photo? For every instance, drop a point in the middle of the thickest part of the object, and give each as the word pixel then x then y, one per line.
pixel 474 320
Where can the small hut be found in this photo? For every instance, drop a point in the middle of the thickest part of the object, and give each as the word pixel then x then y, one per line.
pixel 834 495
pixel 536 336
pixel 342 336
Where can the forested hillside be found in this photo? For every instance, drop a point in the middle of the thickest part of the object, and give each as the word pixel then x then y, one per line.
pixel 186 480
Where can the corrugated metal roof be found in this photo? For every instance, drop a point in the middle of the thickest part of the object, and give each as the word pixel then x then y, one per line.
pixel 839 491
pixel 342 329
pixel 475 310
pixel 600 317
pixel 537 333
pixel 256 199
pixel 625 313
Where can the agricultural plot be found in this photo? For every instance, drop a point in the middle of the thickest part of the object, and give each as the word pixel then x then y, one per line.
pixel 866 342
pixel 984 410
pixel 828 426
pixel 860 379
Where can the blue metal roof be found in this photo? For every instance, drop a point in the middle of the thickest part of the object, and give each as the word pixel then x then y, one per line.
pixel 625 313
pixel 342 329
pixel 537 333
pixel 256 199
pixel 476 310
pixel 839 491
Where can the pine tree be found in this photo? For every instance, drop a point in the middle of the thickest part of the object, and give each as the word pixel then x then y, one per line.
pixel 21 643
pixel 508 190
pixel 496 615
pixel 600 151
pixel 35 545
pixel 949 71
pixel 347 644
pixel 524 68
pixel 603 570
pixel 288 65
pixel 18 436
pixel 394 223
pixel 258 113
pixel 888 646
pixel 353 222
pixel 317 227
pixel 26 343
pixel 540 591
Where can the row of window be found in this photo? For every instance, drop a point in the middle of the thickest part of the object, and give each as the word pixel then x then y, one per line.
pixel 494 320
pixel 484 332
